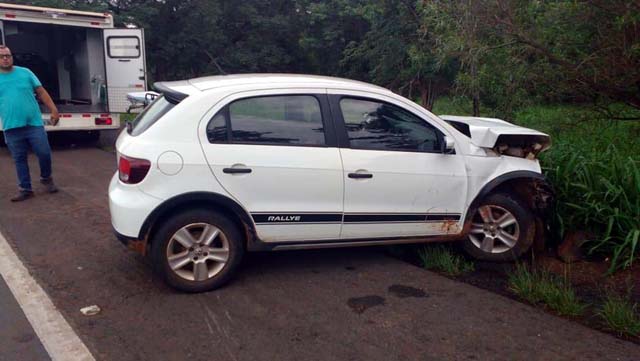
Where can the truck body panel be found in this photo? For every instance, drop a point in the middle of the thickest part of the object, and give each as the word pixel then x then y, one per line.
pixel 85 64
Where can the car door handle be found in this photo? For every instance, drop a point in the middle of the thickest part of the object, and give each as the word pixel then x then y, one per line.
pixel 360 175
pixel 236 170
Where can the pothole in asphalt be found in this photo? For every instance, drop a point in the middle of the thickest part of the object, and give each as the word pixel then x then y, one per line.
pixel 402 291
pixel 361 304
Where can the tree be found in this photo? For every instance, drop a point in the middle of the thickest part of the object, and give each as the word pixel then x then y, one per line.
pixel 592 47
pixel 328 27
pixel 397 53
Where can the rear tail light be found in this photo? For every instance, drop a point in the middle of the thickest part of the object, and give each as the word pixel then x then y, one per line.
pixel 104 121
pixel 132 170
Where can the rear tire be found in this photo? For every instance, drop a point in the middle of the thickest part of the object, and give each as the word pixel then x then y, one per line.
pixel 197 250
pixel 502 229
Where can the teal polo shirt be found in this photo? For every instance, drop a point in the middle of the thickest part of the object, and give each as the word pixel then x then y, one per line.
pixel 18 105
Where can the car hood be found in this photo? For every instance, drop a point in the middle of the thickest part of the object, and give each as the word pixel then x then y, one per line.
pixel 496 133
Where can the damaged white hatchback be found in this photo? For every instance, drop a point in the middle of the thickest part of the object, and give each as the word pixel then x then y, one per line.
pixel 221 165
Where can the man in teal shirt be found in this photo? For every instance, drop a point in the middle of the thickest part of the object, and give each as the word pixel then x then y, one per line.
pixel 22 122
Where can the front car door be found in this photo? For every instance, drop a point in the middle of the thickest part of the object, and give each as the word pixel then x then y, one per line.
pixel 275 153
pixel 398 182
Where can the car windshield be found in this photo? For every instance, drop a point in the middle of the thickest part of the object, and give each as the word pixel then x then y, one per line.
pixel 150 115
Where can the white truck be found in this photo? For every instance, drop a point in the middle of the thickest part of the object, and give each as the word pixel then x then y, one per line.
pixel 86 64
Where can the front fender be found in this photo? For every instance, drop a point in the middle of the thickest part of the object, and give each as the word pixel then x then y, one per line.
pixel 530 186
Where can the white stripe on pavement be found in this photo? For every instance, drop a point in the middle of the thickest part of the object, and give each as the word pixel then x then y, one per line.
pixel 57 337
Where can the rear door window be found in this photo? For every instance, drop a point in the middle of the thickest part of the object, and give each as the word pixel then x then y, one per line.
pixel 123 47
pixel 151 115
pixel 270 120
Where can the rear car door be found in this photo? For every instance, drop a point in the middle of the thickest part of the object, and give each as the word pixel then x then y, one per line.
pixel 398 181
pixel 125 66
pixel 275 153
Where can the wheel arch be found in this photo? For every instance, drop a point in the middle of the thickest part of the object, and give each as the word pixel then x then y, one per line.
pixel 206 200
pixel 531 187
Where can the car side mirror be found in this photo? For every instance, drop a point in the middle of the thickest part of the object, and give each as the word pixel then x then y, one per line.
pixel 448 146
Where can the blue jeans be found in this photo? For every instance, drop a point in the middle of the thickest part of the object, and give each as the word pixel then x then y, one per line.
pixel 19 140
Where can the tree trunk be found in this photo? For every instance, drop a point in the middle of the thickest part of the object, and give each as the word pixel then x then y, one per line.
pixel 425 97
pixel 475 89
pixel 427 94
pixel 476 105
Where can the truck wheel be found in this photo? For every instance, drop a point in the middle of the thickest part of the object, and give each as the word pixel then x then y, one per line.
pixel 502 229
pixel 197 250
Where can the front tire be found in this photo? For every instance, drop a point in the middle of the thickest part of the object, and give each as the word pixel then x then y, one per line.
pixel 197 250
pixel 502 229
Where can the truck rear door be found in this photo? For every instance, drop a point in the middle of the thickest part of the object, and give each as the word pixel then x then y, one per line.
pixel 125 65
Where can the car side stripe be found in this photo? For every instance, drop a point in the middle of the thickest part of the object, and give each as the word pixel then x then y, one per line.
pixel 384 218
pixel 370 218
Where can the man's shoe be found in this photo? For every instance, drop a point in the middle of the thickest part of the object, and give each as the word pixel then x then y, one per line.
pixel 22 196
pixel 49 186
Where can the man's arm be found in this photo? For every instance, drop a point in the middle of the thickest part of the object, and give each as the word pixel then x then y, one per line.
pixel 48 102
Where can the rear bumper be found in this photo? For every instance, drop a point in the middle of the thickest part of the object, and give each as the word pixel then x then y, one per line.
pixel 134 244
pixel 122 238
pixel 129 208
pixel 81 121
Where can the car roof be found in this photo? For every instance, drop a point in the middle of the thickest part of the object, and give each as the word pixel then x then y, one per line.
pixel 277 80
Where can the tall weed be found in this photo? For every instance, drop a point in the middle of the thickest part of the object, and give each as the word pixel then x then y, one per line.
pixel 620 314
pixel 540 286
pixel 443 259
pixel 594 167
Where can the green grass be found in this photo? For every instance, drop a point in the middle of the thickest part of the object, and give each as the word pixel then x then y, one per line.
pixel 452 106
pixel 442 259
pixel 594 166
pixel 621 315
pixel 541 287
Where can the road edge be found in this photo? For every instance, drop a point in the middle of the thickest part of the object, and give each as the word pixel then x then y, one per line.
pixel 56 335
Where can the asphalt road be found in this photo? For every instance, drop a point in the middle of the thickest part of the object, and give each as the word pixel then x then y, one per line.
pixel 18 340
pixel 346 304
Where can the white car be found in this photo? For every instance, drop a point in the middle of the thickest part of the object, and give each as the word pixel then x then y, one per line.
pixel 220 165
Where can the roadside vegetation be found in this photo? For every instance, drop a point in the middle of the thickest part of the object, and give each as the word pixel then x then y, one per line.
pixel 594 166
pixel 596 305
pixel 538 286
pixel 442 259
pixel 542 287
pixel 621 315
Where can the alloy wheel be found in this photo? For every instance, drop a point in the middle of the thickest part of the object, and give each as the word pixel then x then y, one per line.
pixel 494 229
pixel 198 251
